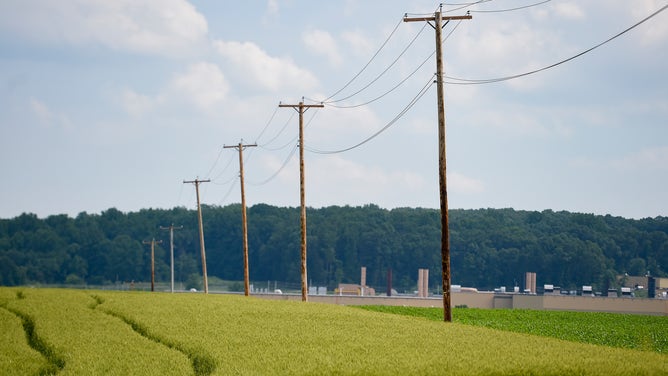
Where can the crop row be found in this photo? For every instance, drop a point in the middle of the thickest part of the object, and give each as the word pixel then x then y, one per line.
pixel 178 334
pixel 642 332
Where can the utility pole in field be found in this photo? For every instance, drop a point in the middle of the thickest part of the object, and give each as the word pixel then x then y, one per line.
pixel 201 230
pixel 171 229
pixel 437 20
pixel 301 108
pixel 152 243
pixel 240 147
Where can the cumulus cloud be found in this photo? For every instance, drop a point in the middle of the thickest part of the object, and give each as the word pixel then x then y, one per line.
pixel 48 117
pixel 359 43
pixel 163 27
pixel 651 158
pixel 322 43
pixel 569 10
pixel 263 70
pixel 136 104
pixel 201 85
pixel 461 183
pixel 658 31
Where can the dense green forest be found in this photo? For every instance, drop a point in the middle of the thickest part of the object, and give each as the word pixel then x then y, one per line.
pixel 489 247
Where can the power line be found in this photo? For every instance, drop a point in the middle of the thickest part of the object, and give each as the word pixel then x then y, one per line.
pixel 410 104
pixel 367 64
pixel 264 146
pixel 510 9
pixel 464 81
pixel 400 82
pixel 381 73
pixel 285 163
pixel 462 5
pixel 271 118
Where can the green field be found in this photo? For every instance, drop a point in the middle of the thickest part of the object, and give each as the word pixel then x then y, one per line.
pixel 641 332
pixel 85 332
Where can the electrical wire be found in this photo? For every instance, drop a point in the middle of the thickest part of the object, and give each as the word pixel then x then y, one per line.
pixel 215 163
pixel 271 118
pixel 264 146
pixel 413 101
pixel 369 62
pixel 463 5
pixel 510 9
pixel 285 163
pixel 229 162
pixel 229 191
pixel 383 72
pixel 464 81
pixel 402 81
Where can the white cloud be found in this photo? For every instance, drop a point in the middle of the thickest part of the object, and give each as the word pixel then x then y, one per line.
pixel 263 70
pixel 568 10
pixel 460 183
pixel 163 27
pixel 655 30
pixel 203 84
pixel 352 179
pixel 653 158
pixel 322 43
pixel 47 117
pixel 271 12
pixel 136 104
pixel 360 44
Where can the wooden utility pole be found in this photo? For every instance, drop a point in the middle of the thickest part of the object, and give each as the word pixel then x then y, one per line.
pixel 152 243
pixel 201 230
pixel 437 20
pixel 240 147
pixel 301 108
pixel 171 229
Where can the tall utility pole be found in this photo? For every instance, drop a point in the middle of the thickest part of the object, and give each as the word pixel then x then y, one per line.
pixel 201 230
pixel 240 147
pixel 152 243
pixel 171 229
pixel 437 20
pixel 301 108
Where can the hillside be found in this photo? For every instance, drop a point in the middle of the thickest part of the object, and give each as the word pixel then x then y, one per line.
pixel 489 247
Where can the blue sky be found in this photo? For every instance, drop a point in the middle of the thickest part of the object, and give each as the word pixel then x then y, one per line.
pixel 114 103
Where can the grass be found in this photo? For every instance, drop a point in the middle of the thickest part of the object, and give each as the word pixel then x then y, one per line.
pixel 79 340
pixel 140 333
pixel 642 332
pixel 16 356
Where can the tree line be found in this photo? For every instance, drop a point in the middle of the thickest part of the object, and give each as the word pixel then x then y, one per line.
pixel 489 247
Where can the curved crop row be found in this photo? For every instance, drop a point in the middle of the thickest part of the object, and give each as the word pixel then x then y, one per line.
pixel 88 341
pixel 202 363
pixel 56 362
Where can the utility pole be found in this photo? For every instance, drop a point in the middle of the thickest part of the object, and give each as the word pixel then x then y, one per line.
pixel 437 20
pixel 301 108
pixel 240 147
pixel 171 229
pixel 152 243
pixel 201 230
